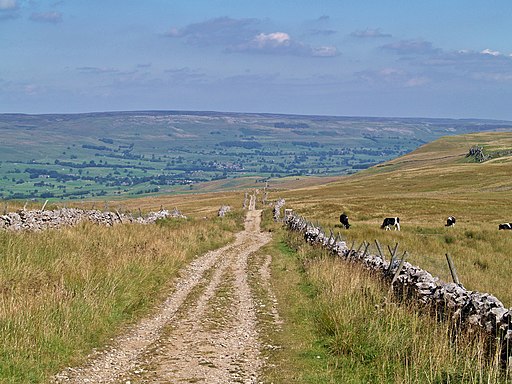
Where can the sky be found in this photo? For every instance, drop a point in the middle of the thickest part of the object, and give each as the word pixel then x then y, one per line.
pixel 401 58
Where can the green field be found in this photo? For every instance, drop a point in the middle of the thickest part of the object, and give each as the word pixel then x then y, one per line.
pixel 129 154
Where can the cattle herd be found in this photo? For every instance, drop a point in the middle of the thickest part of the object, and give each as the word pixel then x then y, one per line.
pixel 395 222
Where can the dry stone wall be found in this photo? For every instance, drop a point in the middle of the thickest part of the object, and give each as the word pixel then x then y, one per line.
pixel 223 210
pixel 277 208
pixel 467 308
pixel 37 220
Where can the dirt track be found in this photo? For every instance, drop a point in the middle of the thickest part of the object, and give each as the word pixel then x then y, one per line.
pixel 205 332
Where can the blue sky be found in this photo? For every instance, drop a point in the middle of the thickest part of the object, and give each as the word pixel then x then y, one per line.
pixel 450 58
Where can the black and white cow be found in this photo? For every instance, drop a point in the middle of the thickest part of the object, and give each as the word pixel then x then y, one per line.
pixel 391 222
pixel 450 221
pixel 505 226
pixel 344 220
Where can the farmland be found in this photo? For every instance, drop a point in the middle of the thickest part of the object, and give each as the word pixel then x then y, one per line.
pixel 129 154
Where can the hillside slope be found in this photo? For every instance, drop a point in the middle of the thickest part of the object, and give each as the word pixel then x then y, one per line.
pixel 423 188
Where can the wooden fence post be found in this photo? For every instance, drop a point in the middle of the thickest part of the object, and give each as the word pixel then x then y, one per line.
pixel 393 254
pixel 351 247
pixel 379 249
pixel 44 205
pixel 455 278
pixel 399 269
pixel 367 245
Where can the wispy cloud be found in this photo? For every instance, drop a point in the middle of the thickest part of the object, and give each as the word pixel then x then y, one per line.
pixel 371 33
pixel 485 65
pixel 185 75
pixel 46 17
pixel 390 76
pixel 411 47
pixel 322 32
pixel 218 31
pixel 245 36
pixel 8 5
pixel 97 70
pixel 8 10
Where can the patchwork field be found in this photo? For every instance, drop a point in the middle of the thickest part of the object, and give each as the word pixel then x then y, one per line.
pixel 131 154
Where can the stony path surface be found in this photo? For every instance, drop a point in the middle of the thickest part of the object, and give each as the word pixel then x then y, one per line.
pixel 205 332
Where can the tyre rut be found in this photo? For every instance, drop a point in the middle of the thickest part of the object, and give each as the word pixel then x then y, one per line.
pixel 179 344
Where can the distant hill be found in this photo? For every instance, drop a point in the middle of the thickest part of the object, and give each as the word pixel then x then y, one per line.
pixel 66 156
pixel 439 171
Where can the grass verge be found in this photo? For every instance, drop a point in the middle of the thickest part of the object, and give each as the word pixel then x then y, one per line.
pixel 65 292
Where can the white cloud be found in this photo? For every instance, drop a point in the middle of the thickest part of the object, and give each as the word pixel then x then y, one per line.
pixel 490 52
pixel 274 39
pixel 281 43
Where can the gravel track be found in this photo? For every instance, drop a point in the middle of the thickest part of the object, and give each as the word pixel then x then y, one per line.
pixel 205 332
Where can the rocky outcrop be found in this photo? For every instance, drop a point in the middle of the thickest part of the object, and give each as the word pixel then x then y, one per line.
pixel 467 308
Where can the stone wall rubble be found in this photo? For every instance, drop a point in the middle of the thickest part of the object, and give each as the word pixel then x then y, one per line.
pixel 36 220
pixel 466 308
pixel 223 210
pixel 277 208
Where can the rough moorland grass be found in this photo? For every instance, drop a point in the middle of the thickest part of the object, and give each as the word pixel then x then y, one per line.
pixel 424 188
pixel 360 332
pixel 64 292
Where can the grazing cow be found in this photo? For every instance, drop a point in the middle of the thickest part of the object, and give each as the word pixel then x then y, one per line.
pixel 344 220
pixel 505 226
pixel 391 222
pixel 450 221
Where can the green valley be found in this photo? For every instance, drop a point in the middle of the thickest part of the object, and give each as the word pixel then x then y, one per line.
pixel 129 154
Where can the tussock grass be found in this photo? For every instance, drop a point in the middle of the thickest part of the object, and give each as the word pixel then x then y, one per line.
pixel 64 292
pixel 372 337
pixel 377 340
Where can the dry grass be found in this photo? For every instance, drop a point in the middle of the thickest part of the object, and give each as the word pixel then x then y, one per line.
pixel 423 188
pixel 64 292
pixel 342 325
pixel 374 339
